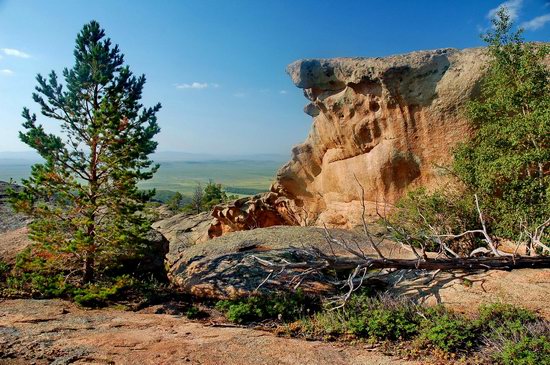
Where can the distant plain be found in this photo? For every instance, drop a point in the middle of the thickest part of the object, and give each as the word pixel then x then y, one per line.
pixel 243 177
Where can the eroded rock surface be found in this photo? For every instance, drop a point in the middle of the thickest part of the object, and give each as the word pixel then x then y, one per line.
pixel 259 211
pixel 385 123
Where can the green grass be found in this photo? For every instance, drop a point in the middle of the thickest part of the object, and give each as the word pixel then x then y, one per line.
pixel 238 177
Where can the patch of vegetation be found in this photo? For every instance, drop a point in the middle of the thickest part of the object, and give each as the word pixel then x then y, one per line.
pixel 506 162
pixel 376 318
pixel 204 199
pixel 282 306
pixel 164 196
pixel 526 351
pixel 32 277
pixel 4 270
pixel 450 210
pixel 447 331
pixel 500 333
pixel 194 312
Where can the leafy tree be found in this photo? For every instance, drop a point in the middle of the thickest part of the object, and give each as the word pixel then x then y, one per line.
pixel 508 160
pixel 84 197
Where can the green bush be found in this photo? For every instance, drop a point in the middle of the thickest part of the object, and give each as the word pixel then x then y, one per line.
pixel 447 331
pixel 38 284
pixel 4 270
pixel 527 351
pixel 98 294
pixel 501 333
pixel 195 313
pixel 506 161
pixel 283 306
pixel 393 324
pixel 504 320
pixel 377 318
pixel 515 335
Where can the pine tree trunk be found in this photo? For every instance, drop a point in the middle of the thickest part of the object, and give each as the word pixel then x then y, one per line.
pixel 89 268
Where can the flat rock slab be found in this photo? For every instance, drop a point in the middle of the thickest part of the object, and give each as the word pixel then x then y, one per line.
pixel 465 292
pixel 57 332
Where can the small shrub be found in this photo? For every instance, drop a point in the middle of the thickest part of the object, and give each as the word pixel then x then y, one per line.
pixel 98 294
pixel 195 313
pixel 38 284
pixel 392 324
pixel 286 307
pixel 4 270
pixel 377 318
pixel 497 314
pixel 527 351
pixel 514 335
pixel 447 331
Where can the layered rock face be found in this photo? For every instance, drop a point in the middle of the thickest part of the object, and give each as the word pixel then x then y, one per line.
pixel 383 124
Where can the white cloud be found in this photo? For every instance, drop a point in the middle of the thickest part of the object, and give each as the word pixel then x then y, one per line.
pixel 197 85
pixel 282 92
pixel 239 95
pixel 536 23
pixel 513 7
pixel 15 53
pixel 6 72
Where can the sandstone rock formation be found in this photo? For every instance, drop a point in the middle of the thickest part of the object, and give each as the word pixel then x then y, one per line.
pixel 386 123
pixel 259 211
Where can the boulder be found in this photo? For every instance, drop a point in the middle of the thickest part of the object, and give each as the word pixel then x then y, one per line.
pixel 227 266
pixel 183 231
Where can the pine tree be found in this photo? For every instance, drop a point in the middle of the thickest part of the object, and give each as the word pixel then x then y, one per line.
pixel 507 162
pixel 175 202
pixel 84 197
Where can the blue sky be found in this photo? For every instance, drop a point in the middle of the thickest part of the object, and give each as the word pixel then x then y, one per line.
pixel 218 67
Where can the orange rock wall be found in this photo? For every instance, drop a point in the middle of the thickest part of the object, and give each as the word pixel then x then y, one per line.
pixel 385 124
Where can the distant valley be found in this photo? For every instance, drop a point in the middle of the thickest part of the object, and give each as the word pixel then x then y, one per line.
pixel 179 171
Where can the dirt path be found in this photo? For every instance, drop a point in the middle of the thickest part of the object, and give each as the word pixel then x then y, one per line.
pixel 57 332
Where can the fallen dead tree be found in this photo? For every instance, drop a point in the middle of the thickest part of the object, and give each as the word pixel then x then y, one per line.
pixel 323 261
pixel 362 267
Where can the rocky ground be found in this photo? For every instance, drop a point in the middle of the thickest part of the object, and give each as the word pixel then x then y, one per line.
pixel 57 332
